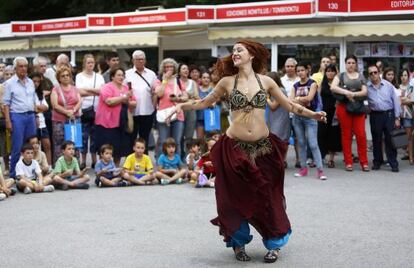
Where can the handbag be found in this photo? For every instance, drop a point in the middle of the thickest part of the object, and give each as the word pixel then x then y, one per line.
pixel 162 114
pixel 73 132
pixel 356 107
pixel 399 138
pixel 88 114
pixel 212 119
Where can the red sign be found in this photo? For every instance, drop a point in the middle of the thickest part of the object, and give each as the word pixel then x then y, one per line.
pixel 264 10
pixel 381 5
pixel 99 21
pixel 333 6
pixel 200 13
pixel 149 18
pixel 22 27
pixel 60 25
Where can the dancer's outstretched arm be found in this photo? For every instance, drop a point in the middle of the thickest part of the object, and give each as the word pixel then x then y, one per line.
pixel 288 104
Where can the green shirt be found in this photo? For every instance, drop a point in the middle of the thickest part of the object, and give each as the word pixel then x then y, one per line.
pixel 62 166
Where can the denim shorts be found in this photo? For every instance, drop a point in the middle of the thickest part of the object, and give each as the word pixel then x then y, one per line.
pixel 42 133
pixel 407 122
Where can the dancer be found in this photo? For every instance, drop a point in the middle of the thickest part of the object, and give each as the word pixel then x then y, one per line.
pixel 248 159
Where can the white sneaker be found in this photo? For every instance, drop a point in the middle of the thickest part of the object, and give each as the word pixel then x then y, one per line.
pixel 2 196
pixel 48 188
pixel 27 190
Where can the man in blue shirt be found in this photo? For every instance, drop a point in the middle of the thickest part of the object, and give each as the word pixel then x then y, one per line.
pixel 19 109
pixel 385 116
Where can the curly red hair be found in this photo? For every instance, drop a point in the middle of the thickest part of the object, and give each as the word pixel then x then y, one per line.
pixel 225 66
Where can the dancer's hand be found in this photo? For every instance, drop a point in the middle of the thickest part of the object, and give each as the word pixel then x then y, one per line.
pixel 320 116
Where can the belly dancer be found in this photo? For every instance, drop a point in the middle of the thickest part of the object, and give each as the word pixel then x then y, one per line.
pixel 248 158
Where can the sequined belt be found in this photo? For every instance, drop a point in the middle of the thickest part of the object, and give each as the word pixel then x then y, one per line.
pixel 255 149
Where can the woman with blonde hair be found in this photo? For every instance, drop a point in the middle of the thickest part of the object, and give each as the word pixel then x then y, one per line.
pixel 89 84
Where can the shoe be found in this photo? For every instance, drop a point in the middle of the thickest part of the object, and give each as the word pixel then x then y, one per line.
pixel 27 190
pixel 320 175
pixel 286 164
pixel 302 172
pixel 241 255
pixel 376 167
pixel 271 256
pixel 122 184
pixel 331 164
pixel 164 181
pixel 93 166
pixel 349 168
pixel 310 163
pixel 82 186
pixel 192 181
pixel 297 165
pixel 99 184
pixel 405 157
pixel 395 169
pixel 179 181
pixel 13 191
pixel 198 185
pixel 48 189
pixel 211 185
pixel 365 168
pixel 2 196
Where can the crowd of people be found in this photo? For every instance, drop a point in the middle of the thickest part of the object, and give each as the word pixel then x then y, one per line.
pixel 120 110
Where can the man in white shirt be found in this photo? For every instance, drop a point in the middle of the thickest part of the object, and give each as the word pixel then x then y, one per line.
pixel 50 73
pixel 288 80
pixel 142 80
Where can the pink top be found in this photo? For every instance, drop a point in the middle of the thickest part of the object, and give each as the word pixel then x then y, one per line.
pixel 109 116
pixel 71 98
pixel 170 88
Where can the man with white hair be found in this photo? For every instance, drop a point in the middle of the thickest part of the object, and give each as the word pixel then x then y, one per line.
pixel 50 73
pixel 142 82
pixel 19 109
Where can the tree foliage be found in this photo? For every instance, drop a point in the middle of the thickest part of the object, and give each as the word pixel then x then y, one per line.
pixel 21 10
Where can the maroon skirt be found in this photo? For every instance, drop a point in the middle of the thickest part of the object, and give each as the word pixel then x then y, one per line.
pixel 247 190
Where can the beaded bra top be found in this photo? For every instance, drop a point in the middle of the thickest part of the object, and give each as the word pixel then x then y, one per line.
pixel 239 101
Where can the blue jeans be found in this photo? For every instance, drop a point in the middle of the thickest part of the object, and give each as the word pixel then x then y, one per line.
pixel 306 131
pixel 242 237
pixel 24 126
pixel 174 130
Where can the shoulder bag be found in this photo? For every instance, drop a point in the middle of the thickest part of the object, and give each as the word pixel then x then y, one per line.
pixel 162 114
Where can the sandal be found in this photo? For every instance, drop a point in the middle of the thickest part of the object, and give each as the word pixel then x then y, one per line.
pixel 349 168
pixel 331 164
pixel 271 256
pixel 365 168
pixel 241 255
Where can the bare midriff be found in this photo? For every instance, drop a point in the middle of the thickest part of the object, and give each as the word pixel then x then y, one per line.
pixel 250 130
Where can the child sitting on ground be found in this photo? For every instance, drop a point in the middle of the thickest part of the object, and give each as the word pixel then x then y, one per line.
pixel 205 169
pixel 170 167
pixel 192 159
pixel 6 189
pixel 107 174
pixel 138 168
pixel 39 156
pixel 67 173
pixel 29 175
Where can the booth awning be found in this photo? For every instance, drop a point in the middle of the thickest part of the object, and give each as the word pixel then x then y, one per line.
pixel 46 42
pixel 9 45
pixel 317 29
pixel 110 39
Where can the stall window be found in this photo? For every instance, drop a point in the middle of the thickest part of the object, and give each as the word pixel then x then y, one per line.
pixel 199 57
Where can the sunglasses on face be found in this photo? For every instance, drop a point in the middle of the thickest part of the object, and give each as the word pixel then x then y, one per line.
pixel 372 73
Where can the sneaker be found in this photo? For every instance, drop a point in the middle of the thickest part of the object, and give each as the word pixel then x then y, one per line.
pixel 48 188
pixel 99 184
pixel 2 196
pixel 192 182
pixel 164 181
pixel 83 186
pixel 179 181
pixel 297 164
pixel 13 191
pixel 122 184
pixel 320 175
pixel 27 190
pixel 63 187
pixel 302 172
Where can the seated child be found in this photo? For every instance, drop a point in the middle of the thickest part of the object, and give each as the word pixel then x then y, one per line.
pixel 215 135
pixel 29 175
pixel 205 167
pixel 39 156
pixel 170 167
pixel 6 189
pixel 192 159
pixel 67 173
pixel 107 175
pixel 138 168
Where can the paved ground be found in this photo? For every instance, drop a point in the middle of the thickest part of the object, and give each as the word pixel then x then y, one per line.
pixel 351 220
